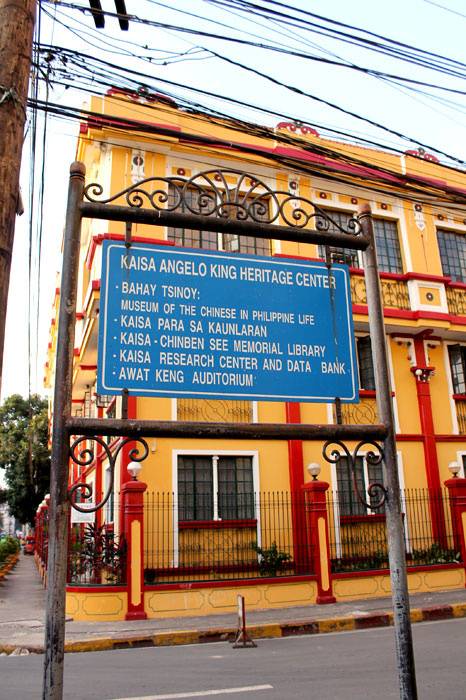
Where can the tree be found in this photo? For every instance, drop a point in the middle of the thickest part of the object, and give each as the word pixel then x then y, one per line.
pixel 24 454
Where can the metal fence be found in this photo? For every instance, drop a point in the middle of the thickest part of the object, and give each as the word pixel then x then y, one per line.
pixel 358 537
pixel 268 539
pixel 259 535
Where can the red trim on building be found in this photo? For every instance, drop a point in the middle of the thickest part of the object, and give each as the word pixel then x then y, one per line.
pixel 215 524
pixel 429 442
pixel 235 583
pixel 410 569
pixel 97 240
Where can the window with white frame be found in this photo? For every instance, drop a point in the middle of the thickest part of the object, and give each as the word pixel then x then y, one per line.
pixel 457 355
pixel 346 256
pixel 215 487
pixel 387 244
pixel 194 202
pixel 366 474
pixel 452 249
pixel 386 240
pixel 365 364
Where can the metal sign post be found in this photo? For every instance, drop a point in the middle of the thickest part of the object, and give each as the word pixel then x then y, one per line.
pixel 59 507
pixel 395 535
pixel 232 211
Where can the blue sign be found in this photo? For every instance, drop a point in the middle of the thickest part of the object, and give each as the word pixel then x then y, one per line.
pixel 177 322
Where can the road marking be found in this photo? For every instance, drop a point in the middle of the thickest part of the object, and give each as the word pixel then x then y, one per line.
pixel 202 693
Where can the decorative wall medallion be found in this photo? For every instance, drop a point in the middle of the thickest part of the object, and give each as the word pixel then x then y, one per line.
pixel 137 165
pixel 293 189
pixel 419 218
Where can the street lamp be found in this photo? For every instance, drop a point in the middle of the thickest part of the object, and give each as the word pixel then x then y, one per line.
pixel 314 470
pixel 134 468
pixel 454 468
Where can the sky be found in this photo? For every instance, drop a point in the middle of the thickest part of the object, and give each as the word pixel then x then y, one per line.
pixel 212 65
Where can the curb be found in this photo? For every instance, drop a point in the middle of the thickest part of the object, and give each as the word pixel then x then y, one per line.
pixel 265 631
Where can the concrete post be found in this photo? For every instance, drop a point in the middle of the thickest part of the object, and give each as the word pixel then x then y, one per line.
pixel 317 523
pixel 133 530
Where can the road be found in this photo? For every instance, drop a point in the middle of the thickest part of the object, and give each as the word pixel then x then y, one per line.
pixel 337 666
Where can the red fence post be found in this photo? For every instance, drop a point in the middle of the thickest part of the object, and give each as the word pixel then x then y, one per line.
pixel 457 493
pixel 317 523
pixel 133 531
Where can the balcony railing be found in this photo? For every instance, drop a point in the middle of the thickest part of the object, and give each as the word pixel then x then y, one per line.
pixel 456 301
pixel 362 413
pixel 460 404
pixel 216 411
pixel 395 293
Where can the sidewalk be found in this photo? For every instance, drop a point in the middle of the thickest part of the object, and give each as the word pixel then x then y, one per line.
pixel 22 619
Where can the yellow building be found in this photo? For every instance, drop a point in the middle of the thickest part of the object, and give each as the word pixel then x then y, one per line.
pixel 219 514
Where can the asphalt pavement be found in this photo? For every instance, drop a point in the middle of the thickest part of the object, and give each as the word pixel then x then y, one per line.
pixel 22 619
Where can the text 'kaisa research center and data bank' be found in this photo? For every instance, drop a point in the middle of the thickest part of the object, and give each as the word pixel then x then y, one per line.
pixel 215 325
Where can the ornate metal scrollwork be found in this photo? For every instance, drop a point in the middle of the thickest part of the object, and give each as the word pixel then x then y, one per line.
pixel 86 457
pixel 230 194
pixel 332 453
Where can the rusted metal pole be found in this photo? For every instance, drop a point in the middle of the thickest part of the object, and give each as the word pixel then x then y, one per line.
pixel 54 644
pixel 395 535
pixel 218 224
pixel 229 431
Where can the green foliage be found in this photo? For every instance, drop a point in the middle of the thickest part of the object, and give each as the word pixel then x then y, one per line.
pixel 271 560
pixel 96 557
pixel 435 555
pixel 370 562
pixel 8 547
pixel 24 454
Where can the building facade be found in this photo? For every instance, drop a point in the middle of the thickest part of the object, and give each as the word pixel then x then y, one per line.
pixel 217 511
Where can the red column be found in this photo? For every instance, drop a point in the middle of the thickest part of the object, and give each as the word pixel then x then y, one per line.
pixel 457 493
pixel 133 531
pixel 422 374
pixel 317 523
pixel 295 462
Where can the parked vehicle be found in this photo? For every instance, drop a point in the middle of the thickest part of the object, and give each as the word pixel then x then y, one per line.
pixel 29 546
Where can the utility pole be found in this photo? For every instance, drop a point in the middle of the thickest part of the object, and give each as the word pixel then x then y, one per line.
pixel 17 20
